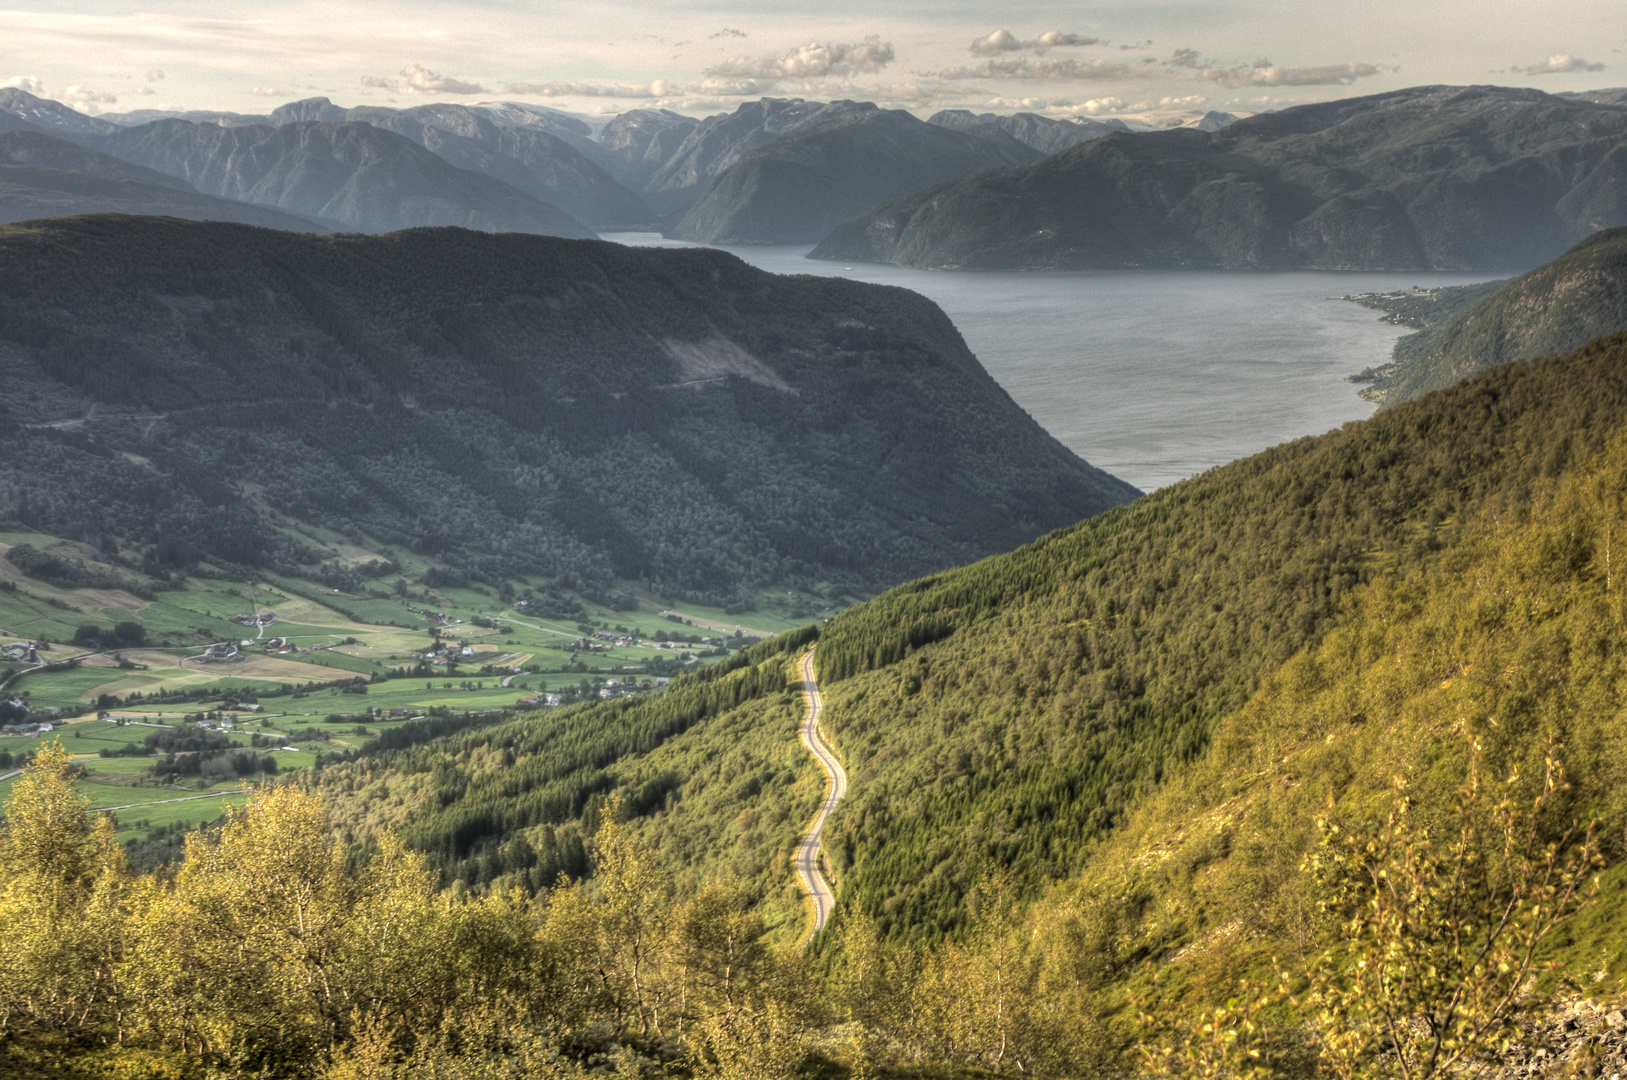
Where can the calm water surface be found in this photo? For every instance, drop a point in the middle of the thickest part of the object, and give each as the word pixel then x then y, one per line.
pixel 1154 375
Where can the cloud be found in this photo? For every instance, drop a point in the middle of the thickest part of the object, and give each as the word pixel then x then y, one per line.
pixel 83 95
pixel 1004 41
pixel 1265 73
pixel 421 80
pixel 1184 58
pixel 376 83
pixel 1049 68
pixel 26 83
pixel 1558 64
pixel 727 32
pixel 141 91
pixel 155 74
pixel 272 91
pixel 813 61
pixel 659 88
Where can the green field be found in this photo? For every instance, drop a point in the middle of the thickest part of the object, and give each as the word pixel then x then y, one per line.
pixel 371 636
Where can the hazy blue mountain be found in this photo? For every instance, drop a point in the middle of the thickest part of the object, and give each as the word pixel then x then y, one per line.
pixel 136 117
pixel 319 109
pixel 842 158
pixel 1431 177
pixel 1615 96
pixel 639 141
pixel 348 174
pixel 514 404
pixel 1043 133
pixel 716 143
pixel 1560 306
pixel 530 158
pixel 46 152
pixel 573 129
pixel 42 176
pixel 51 117
pixel 1213 121
pixel 27 193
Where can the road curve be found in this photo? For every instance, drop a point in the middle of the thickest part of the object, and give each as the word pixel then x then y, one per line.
pixel 808 854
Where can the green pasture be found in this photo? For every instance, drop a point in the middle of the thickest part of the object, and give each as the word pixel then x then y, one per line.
pixel 136 823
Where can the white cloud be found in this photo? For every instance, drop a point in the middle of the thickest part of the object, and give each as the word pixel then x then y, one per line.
pixel 659 88
pixel 1558 64
pixel 421 80
pixel 813 61
pixel 272 91
pixel 26 83
pixel 141 91
pixel 1047 68
pixel 83 95
pixel 1265 73
pixel 155 74
pixel 1004 41
pixel 1098 106
pixel 377 83
pixel 1190 101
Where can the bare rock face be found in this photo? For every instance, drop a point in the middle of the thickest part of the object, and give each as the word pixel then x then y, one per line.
pixel 1581 1039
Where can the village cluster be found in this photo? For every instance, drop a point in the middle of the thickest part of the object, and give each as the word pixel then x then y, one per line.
pixel 25 651
pixel 226 651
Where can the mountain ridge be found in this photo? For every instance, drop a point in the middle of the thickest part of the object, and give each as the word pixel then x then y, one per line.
pixel 1429 177
pixel 1557 307
pixel 581 409
pixel 842 157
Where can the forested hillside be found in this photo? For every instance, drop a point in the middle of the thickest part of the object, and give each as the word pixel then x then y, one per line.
pixel 510 404
pixel 1559 306
pixel 1189 734
pixel 1021 709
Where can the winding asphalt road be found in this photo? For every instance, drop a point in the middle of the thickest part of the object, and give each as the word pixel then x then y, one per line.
pixel 808 854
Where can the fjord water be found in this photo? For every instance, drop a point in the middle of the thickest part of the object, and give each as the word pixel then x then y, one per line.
pixel 1154 375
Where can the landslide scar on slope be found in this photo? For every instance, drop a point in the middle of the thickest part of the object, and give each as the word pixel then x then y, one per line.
pixel 718 358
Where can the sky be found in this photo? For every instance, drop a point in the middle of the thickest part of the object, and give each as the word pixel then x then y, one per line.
pixel 1130 58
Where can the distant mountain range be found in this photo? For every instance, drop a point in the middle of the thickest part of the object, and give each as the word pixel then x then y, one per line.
pixel 350 175
pixel 1042 133
pixel 1431 177
pixel 513 404
pixel 832 163
pixel 337 175
pixel 45 177
pixel 1560 306
pixel 541 159
pixel 1426 178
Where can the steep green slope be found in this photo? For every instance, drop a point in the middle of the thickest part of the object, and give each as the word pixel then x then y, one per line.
pixel 513 404
pixel 1508 640
pixel 1555 308
pixel 1432 177
pixel 831 166
pixel 1023 710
